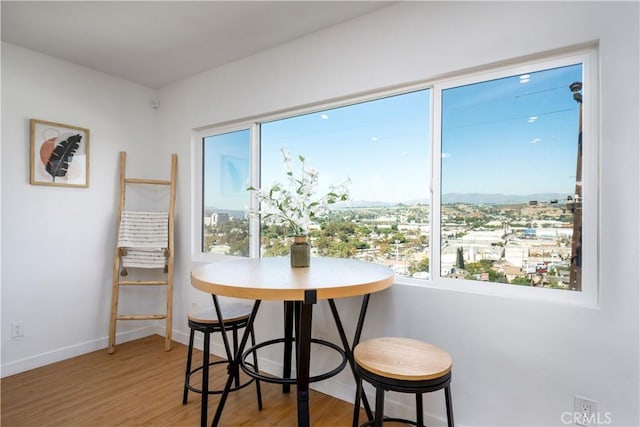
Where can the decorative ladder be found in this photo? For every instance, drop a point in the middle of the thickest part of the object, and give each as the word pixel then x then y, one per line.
pixel 169 253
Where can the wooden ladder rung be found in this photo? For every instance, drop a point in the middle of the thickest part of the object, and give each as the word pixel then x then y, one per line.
pixel 142 317
pixel 147 181
pixel 143 282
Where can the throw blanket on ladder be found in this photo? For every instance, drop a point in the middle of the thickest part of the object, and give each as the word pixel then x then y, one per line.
pixel 144 236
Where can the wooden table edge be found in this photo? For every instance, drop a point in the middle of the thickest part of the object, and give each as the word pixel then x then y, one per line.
pixel 279 294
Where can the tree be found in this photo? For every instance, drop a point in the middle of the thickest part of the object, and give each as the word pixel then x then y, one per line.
pixel 277 248
pixel 460 258
pixel 398 237
pixel 520 280
pixel 422 265
pixel 239 247
pixel 342 250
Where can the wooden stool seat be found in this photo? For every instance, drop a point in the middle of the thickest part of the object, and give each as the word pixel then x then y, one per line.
pixel 235 316
pixel 232 312
pixel 402 358
pixel 403 365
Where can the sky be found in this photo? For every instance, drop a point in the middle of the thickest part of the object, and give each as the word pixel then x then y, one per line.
pixel 516 135
pixel 383 146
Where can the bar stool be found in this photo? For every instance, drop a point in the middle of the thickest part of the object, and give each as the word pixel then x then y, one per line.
pixel 402 365
pixel 235 317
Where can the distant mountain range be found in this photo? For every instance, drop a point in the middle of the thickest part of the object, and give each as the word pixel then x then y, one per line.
pixel 467 198
pixel 500 199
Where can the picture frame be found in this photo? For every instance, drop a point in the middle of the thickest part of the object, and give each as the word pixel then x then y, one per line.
pixel 59 154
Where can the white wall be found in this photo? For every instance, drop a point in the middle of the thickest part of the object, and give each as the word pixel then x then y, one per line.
pixel 57 243
pixel 516 362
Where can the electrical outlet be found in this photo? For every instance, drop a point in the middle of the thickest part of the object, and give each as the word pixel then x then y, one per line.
pixel 584 410
pixel 17 329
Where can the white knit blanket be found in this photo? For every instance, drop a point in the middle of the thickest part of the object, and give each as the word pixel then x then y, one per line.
pixel 145 236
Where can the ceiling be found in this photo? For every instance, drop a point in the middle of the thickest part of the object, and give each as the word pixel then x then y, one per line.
pixel 156 43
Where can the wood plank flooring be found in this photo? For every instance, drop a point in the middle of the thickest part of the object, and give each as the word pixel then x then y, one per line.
pixel 141 385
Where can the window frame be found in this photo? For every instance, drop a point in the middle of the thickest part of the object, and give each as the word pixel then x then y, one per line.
pixel 588 296
pixel 587 56
pixel 197 186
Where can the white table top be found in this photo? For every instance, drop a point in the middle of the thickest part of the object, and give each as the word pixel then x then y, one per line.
pixel 274 279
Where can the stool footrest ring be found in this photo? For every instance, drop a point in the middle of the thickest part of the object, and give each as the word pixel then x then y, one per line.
pixel 217 362
pixel 391 420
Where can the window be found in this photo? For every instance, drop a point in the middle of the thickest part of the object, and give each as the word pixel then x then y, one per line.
pixel 510 194
pixel 479 183
pixel 225 166
pixel 381 146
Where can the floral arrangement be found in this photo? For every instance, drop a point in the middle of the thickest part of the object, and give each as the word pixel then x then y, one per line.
pixel 295 204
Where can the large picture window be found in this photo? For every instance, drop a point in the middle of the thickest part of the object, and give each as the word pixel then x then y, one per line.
pixel 485 181
pixel 511 185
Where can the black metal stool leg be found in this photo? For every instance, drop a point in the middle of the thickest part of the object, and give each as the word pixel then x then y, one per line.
pixel 447 398
pixel 356 404
pixel 255 364
pixel 379 407
pixel 187 374
pixel 205 380
pixel 419 410
pixel 235 350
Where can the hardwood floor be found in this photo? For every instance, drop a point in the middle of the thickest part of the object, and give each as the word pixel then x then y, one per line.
pixel 141 385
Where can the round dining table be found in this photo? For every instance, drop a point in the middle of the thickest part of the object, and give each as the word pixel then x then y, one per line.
pixel 273 279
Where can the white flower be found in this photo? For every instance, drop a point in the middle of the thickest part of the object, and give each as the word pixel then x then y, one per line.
pixel 293 205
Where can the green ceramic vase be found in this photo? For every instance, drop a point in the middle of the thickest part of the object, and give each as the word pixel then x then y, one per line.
pixel 300 252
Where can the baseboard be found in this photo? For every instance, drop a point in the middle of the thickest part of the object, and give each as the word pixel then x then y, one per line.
pixel 64 353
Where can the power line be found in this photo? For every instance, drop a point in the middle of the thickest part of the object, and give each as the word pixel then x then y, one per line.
pixel 509 119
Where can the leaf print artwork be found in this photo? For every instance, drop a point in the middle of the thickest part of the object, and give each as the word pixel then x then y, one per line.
pixel 62 155
pixel 59 154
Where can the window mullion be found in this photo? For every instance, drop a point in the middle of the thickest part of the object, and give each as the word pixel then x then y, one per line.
pixel 435 235
pixel 254 220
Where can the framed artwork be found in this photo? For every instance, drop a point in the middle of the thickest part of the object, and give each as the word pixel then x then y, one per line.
pixel 59 154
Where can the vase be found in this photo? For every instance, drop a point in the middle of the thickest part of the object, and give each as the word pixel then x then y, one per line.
pixel 300 252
